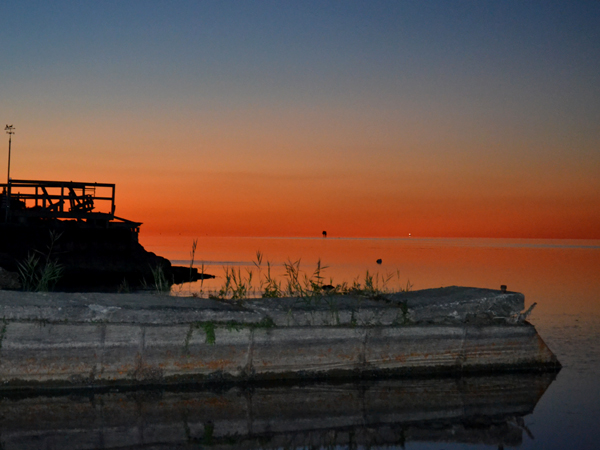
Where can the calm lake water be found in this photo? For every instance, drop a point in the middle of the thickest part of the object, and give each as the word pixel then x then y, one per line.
pixel 529 411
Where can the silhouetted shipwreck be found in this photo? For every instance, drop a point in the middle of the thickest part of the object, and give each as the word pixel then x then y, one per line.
pixel 74 224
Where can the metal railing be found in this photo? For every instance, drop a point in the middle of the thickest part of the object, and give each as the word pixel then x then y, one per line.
pixel 58 199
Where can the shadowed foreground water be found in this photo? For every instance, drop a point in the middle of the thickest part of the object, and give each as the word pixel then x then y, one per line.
pixel 390 413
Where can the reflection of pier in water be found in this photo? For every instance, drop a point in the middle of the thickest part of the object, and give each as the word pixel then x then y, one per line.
pixel 475 410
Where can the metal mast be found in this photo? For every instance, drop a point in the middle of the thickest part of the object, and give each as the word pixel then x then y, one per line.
pixel 10 130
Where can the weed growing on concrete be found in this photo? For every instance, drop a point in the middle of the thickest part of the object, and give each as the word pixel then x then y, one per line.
pixel 225 288
pixel 188 337
pixel 402 314
pixel 299 284
pixel 160 285
pixel 293 287
pixel 269 287
pixel 374 285
pixel 28 271
pixel 232 325
pixel 209 329
pixel 296 283
pixel 333 309
pixel 264 324
pixel 236 286
pixel 41 273
pixel 124 287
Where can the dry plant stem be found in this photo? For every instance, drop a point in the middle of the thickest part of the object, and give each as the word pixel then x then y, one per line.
pixel 201 271
pixel 192 255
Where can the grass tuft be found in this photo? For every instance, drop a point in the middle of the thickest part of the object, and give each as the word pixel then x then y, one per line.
pixel 238 285
pixel 41 273
pixel 160 285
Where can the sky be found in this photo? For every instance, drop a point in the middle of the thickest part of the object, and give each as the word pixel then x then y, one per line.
pixel 286 118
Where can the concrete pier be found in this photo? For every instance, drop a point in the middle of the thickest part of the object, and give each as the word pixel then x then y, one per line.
pixel 55 340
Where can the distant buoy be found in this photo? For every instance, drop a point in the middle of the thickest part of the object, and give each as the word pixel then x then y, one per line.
pixel 324 233
pixel 409 235
pixel 379 261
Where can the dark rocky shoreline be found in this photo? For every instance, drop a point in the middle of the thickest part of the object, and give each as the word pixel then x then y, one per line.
pixel 92 258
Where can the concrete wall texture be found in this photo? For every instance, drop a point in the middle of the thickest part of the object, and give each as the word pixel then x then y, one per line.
pixel 68 340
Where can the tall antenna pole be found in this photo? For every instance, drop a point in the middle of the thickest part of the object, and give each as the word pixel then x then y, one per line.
pixel 10 130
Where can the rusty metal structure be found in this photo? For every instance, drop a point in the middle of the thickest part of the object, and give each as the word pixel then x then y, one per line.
pixel 25 202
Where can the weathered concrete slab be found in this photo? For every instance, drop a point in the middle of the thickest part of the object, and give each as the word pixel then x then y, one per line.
pixel 118 308
pixel 294 352
pixel 456 303
pixel 445 305
pixel 62 339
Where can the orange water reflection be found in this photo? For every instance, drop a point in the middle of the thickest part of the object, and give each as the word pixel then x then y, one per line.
pixel 560 275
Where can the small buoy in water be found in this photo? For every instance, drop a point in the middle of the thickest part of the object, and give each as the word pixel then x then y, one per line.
pixel 379 261
pixel 409 234
pixel 503 288
pixel 324 233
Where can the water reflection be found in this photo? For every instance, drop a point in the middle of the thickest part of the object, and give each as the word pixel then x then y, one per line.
pixel 475 410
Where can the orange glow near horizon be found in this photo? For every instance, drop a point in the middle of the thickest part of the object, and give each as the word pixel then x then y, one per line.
pixel 289 119
pixel 265 174
pixel 185 195
pixel 356 204
pixel 242 213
